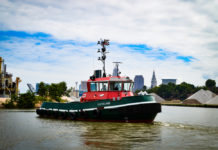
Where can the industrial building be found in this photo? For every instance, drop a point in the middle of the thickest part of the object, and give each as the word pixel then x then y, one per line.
pixel 166 81
pixel 7 86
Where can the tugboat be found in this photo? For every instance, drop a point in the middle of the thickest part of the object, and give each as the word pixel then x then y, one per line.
pixel 108 98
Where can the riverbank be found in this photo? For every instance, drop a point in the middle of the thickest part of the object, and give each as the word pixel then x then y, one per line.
pixel 191 105
pixel 2 100
pixel 168 103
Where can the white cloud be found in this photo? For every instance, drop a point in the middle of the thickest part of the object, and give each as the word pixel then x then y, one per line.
pixel 189 28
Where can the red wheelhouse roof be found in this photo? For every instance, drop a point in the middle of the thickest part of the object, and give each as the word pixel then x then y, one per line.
pixel 111 78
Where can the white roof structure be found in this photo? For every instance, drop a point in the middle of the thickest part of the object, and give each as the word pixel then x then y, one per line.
pixel 202 96
pixel 213 100
pixel 158 99
pixel 142 93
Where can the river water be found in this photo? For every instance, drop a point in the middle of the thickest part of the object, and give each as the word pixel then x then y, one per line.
pixel 174 128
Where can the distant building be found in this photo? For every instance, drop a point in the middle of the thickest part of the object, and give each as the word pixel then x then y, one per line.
pixel 37 87
pixel 166 81
pixel 153 80
pixel 115 71
pixel 138 82
pixel 82 87
pixel 7 85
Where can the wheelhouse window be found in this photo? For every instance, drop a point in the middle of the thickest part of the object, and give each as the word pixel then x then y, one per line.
pixel 115 86
pixel 127 86
pixel 103 86
pixel 94 86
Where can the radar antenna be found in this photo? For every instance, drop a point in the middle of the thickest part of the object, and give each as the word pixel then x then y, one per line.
pixel 103 52
pixel 117 67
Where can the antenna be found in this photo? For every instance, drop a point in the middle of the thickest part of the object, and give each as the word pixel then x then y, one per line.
pixel 103 52
pixel 117 66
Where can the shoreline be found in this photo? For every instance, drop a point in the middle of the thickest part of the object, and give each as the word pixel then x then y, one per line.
pixel 192 105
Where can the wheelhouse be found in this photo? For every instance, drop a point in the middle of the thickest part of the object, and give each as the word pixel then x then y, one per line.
pixel 112 85
pixel 113 88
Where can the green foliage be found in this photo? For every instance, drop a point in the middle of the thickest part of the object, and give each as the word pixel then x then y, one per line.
pixel 138 90
pixel 45 93
pixel 144 88
pixel 9 104
pixel 14 97
pixel 57 90
pixel 184 90
pixel 43 89
pixel 172 91
pixel 67 92
pixel 26 100
pixel 41 99
pixel 210 83
pixel 54 91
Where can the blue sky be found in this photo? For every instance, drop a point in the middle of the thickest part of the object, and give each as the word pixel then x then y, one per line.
pixel 52 41
pixel 43 38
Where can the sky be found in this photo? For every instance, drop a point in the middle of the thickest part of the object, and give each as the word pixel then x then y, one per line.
pixel 54 41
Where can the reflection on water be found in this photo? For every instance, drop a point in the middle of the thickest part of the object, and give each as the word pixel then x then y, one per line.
pixel 120 135
pixel 23 129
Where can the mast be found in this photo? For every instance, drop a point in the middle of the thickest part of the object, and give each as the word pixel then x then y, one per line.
pixel 103 52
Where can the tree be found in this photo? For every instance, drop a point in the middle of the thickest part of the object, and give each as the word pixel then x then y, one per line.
pixel 166 91
pixel 183 90
pixel 56 90
pixel 210 83
pixel 26 100
pixel 172 91
pixel 144 88
pixel 43 89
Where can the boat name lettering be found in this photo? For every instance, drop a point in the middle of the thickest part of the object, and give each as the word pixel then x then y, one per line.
pixel 105 103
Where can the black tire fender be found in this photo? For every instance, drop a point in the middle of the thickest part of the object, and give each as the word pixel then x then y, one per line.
pixel 72 115
pixel 63 115
pixel 97 113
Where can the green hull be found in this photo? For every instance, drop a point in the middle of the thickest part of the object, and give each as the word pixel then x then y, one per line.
pixel 129 109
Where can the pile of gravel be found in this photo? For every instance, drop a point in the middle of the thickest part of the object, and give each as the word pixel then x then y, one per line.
pixel 202 96
pixel 213 100
pixel 158 99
